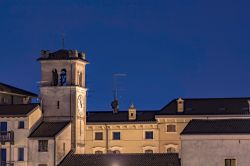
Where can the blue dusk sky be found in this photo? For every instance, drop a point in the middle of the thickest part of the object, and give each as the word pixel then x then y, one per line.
pixel 167 48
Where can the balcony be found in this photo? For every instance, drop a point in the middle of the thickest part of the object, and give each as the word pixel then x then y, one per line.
pixel 7 136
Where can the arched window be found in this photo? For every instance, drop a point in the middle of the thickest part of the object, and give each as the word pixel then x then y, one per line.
pixel 63 77
pixel 54 77
pixel 116 152
pixel 149 151
pixel 98 152
pixel 171 150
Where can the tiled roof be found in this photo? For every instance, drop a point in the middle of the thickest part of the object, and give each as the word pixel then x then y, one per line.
pixel 210 106
pixel 156 159
pixel 11 89
pixel 121 116
pixel 48 129
pixel 226 126
pixel 16 110
pixel 62 54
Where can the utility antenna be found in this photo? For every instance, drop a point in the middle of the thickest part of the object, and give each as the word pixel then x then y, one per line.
pixel 115 86
pixel 63 44
pixel 115 102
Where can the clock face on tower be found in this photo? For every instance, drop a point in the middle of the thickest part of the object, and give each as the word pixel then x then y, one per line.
pixel 80 105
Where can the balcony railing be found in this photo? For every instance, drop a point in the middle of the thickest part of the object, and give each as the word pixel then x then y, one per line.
pixel 7 136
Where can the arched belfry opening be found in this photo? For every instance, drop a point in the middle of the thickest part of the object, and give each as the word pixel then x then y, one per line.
pixel 80 79
pixel 63 77
pixel 54 77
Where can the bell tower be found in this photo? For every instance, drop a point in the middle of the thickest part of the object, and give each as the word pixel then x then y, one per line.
pixel 63 91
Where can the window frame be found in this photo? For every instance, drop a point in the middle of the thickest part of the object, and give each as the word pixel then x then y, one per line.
pixel 20 154
pixel 171 124
pixel 98 152
pixel 149 138
pixel 113 135
pixel 95 134
pixel 20 126
pixel 149 151
pixel 43 147
pixel 231 159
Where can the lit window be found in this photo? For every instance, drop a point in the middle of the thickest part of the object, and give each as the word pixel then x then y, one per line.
pixel 149 151
pixel 42 145
pixel 98 152
pixel 20 154
pixel 149 135
pixel 230 162
pixel 116 135
pixel 21 124
pixel 98 136
pixel 171 128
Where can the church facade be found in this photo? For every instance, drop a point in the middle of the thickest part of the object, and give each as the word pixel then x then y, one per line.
pixel 57 128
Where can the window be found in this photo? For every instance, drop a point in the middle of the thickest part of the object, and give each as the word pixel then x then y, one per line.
pixel 3 128
pixel 58 104
pixel 116 152
pixel 63 77
pixel 54 77
pixel 171 128
pixel 171 150
pixel 21 124
pixel 42 145
pixel 149 135
pixel 98 152
pixel 80 79
pixel 3 155
pixel 116 136
pixel 20 154
pixel 149 151
pixel 230 162
pixel 98 136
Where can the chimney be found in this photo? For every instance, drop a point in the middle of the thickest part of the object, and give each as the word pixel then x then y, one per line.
pixel 132 112
pixel 45 53
pixel 180 105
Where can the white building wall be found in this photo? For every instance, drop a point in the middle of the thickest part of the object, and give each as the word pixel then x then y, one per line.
pixel 212 150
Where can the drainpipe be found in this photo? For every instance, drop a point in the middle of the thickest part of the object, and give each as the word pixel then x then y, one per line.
pixel 54 151
pixel 107 137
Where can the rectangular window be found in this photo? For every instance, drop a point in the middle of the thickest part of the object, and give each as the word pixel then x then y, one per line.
pixel 21 124
pixel 116 136
pixel 230 162
pixel 3 128
pixel 58 104
pixel 42 145
pixel 3 155
pixel 171 128
pixel 98 136
pixel 149 135
pixel 20 154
